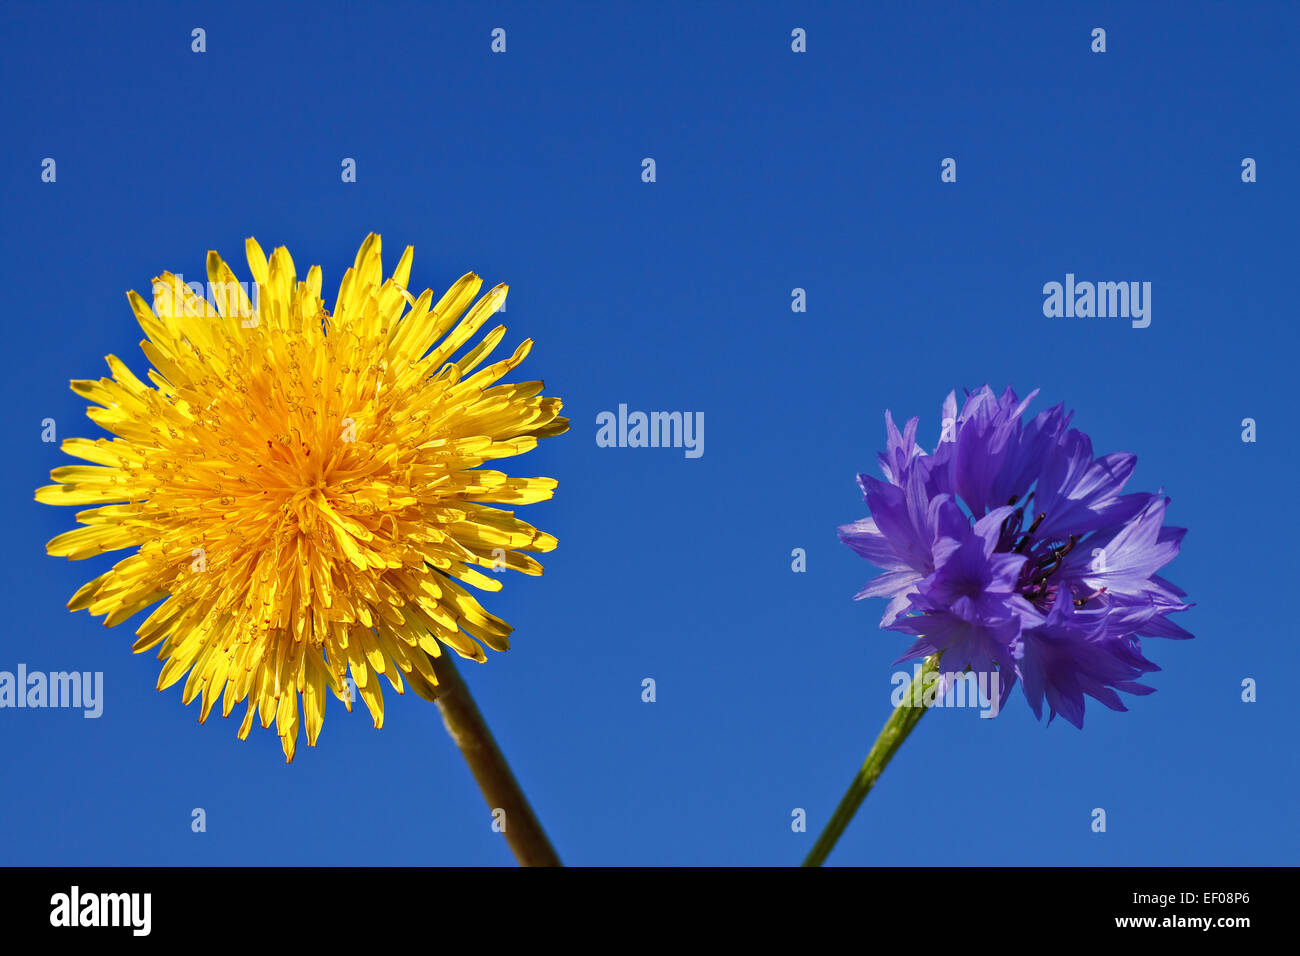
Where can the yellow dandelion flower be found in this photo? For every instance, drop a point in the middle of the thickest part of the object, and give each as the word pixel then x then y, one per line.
pixel 303 486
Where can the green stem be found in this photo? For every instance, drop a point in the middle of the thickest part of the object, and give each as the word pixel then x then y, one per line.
pixel 892 735
pixel 465 723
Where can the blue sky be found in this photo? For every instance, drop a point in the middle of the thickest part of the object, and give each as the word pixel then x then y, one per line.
pixel 775 170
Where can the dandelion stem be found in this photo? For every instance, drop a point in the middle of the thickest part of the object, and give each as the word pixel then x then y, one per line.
pixel 465 723
pixel 897 727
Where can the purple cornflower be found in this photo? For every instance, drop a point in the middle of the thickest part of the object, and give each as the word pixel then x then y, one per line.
pixel 1011 546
